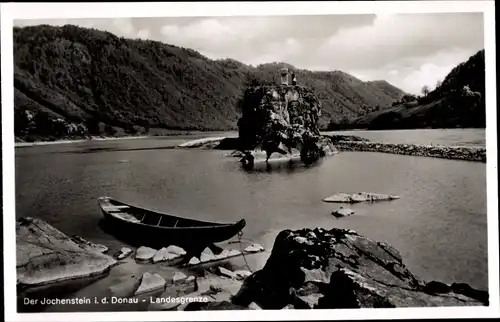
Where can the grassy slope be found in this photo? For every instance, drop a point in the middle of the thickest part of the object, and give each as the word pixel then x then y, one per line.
pixel 442 107
pixel 88 76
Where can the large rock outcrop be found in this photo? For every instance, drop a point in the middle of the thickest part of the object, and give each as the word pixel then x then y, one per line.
pixel 281 118
pixel 45 255
pixel 340 269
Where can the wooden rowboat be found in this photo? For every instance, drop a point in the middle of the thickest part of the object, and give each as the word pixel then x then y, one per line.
pixel 155 229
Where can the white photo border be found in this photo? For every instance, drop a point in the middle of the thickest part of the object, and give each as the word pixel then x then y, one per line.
pixel 12 11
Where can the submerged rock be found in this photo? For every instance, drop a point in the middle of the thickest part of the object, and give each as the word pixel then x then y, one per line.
pixel 46 255
pixel 150 282
pixel 338 268
pixel 144 253
pixel 359 197
pixel 342 212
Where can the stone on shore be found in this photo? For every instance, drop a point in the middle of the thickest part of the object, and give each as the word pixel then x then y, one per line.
pixel 194 261
pixel 223 254
pixel 124 253
pixel 242 274
pixel 226 272
pixel 150 283
pixel 179 277
pixel 342 212
pixel 233 252
pixel 211 283
pixel 254 306
pixel 164 255
pixel 254 248
pixel 207 255
pixel 338 268
pixel 144 253
pixel 46 255
pixel 126 288
pixel 359 197
pixel 176 250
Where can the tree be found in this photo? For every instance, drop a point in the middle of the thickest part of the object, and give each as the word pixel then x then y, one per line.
pixel 438 83
pixel 425 90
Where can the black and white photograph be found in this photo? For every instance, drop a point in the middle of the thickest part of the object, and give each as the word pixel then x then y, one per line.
pixel 269 160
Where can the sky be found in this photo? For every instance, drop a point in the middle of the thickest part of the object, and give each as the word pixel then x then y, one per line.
pixel 407 50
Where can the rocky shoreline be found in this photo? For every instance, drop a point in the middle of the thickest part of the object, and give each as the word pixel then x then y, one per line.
pixel 306 269
pixel 477 154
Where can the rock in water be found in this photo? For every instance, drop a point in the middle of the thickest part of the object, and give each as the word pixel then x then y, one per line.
pixel 342 212
pixel 144 253
pixel 150 282
pixel 280 116
pixel 46 255
pixel 164 255
pixel 124 252
pixel 359 197
pixel 339 268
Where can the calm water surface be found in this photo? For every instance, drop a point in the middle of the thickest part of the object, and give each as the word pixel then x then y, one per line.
pixel 439 224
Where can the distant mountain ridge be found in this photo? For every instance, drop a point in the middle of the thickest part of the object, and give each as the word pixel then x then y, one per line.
pixel 459 101
pixel 94 81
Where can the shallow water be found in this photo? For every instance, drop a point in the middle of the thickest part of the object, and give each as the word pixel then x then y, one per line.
pixel 439 224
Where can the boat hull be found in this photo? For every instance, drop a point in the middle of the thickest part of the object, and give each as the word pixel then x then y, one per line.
pixel 157 237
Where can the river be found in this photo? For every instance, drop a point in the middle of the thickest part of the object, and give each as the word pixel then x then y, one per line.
pixel 439 224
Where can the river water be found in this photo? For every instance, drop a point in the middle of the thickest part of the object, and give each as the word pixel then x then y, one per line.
pixel 439 224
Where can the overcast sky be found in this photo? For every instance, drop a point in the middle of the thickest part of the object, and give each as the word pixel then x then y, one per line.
pixel 408 50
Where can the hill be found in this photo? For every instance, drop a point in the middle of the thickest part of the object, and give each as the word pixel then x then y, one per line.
pixel 79 81
pixel 457 102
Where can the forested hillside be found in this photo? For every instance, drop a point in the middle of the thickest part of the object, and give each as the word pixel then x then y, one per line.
pixel 76 81
pixel 459 101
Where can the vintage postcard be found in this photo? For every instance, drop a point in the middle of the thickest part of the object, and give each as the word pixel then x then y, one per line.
pixel 249 161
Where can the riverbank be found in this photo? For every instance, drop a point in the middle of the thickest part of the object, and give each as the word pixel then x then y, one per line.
pixel 306 269
pixel 356 143
pixel 21 143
